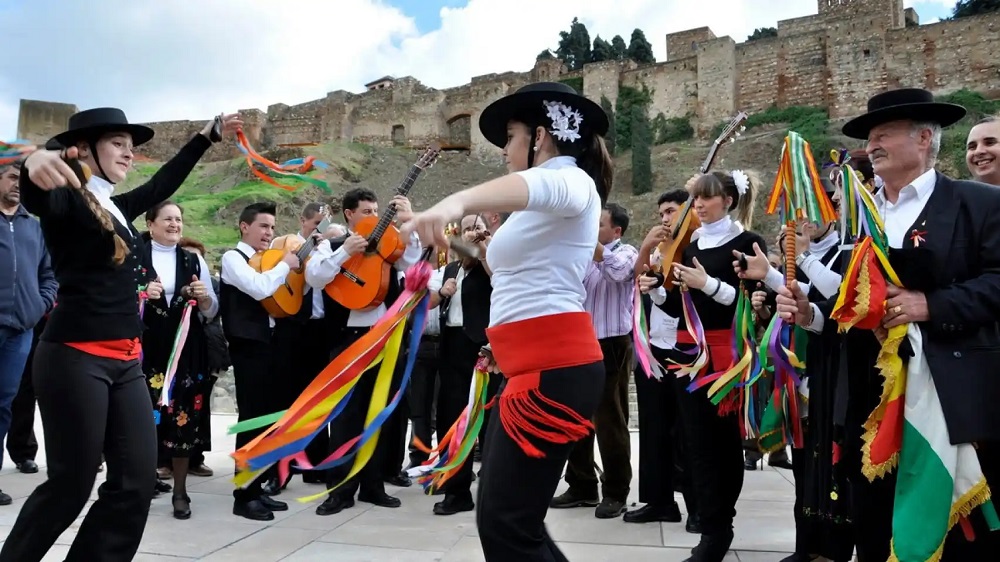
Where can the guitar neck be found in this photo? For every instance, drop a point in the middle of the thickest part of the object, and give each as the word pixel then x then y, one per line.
pixel 390 212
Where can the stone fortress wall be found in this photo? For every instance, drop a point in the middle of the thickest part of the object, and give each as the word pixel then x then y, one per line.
pixel 835 59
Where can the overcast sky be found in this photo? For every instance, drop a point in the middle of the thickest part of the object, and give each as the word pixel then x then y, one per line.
pixel 190 59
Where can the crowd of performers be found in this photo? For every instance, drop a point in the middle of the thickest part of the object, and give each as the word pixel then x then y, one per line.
pixel 518 346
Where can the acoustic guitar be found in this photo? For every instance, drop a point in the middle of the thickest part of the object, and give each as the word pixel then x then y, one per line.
pixel 686 222
pixel 363 280
pixel 287 300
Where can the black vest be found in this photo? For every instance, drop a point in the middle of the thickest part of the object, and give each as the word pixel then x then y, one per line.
pixel 336 314
pixel 477 290
pixel 243 317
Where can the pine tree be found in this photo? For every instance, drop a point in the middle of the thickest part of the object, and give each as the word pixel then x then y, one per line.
pixel 974 8
pixel 619 50
pixel 642 144
pixel 574 45
pixel 545 55
pixel 609 139
pixel 763 33
pixel 602 50
pixel 639 49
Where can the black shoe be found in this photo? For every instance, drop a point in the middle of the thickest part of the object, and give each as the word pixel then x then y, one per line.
pixel 650 513
pixel 609 509
pixel 798 558
pixel 273 504
pixel 452 505
pixel 749 464
pixel 380 499
pixel 779 459
pixel 27 467
pixel 401 480
pixel 161 488
pixel 334 504
pixel 182 507
pixel 252 509
pixel 712 548
pixel 5 498
pixel 271 487
pixel 693 525
pixel 569 498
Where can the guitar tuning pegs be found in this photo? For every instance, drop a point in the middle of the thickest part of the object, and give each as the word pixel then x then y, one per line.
pixel 743 128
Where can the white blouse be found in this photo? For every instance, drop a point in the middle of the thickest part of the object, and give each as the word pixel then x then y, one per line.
pixel 165 264
pixel 539 256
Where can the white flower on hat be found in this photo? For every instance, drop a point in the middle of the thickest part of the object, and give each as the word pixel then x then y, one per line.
pixel 561 116
pixel 742 181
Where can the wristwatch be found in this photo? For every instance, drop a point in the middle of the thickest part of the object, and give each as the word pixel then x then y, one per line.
pixel 802 257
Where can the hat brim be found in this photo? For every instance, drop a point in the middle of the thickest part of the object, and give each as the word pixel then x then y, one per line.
pixel 495 117
pixel 141 134
pixel 944 114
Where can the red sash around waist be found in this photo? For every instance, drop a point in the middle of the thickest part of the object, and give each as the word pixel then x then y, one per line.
pixel 522 351
pixel 720 347
pixel 122 350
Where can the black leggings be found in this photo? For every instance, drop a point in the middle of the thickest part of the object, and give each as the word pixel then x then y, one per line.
pixel 89 405
pixel 515 489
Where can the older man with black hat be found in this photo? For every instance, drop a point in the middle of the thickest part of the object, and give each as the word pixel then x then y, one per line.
pixel 944 244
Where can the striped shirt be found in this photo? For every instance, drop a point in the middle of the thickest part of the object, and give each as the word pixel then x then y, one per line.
pixel 610 290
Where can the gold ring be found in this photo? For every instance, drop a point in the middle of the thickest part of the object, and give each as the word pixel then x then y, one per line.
pixel 897 309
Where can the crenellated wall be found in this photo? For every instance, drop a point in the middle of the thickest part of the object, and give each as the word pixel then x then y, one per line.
pixel 836 58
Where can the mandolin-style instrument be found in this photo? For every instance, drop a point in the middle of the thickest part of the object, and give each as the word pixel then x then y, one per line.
pixel 686 222
pixel 288 299
pixel 363 280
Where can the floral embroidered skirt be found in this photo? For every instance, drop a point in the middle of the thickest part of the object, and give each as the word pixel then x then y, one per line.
pixel 182 425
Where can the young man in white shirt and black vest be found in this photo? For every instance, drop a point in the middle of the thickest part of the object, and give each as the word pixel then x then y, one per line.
pixel 302 344
pixel 463 293
pixel 345 327
pixel 249 328
pixel 663 467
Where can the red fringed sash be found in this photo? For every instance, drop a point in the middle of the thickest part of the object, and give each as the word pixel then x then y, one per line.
pixel 720 348
pixel 523 350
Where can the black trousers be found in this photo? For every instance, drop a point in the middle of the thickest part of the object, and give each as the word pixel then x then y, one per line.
pixel 303 348
pixel 393 432
pixel 421 395
pixel 662 460
pixel 458 360
pixel 350 423
pixel 987 544
pixel 88 405
pixel 715 455
pixel 21 443
pixel 611 428
pixel 515 490
pixel 257 394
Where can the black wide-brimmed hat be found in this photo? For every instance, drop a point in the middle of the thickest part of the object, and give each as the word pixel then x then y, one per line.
pixel 529 102
pixel 91 123
pixel 906 103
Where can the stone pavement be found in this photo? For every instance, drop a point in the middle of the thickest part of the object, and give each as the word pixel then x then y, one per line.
pixel 764 527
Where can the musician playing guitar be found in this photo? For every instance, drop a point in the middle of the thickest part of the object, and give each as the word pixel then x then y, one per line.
pixel 302 342
pixel 344 327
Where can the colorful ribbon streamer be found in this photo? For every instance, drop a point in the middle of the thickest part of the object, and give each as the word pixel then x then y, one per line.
pixel 295 168
pixel 285 440
pixel 453 450
pixel 11 152
pixel 640 338
pixel 699 355
pixel 175 353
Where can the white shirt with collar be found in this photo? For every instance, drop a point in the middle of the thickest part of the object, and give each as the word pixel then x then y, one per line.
pixel 325 264
pixel 237 272
pixel 454 316
pixel 317 296
pixel 897 217
pixel 102 190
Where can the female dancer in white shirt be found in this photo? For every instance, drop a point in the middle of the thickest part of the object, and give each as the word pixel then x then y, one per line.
pixel 541 338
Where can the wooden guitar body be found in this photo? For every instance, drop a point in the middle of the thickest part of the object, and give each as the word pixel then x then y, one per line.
pixel 673 251
pixel 287 300
pixel 363 281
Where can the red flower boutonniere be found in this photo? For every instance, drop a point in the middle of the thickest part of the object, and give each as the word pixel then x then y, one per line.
pixel 917 237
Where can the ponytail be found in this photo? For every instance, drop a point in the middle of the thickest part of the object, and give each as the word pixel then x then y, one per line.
pixel 745 204
pixel 107 224
pixel 723 184
pixel 597 162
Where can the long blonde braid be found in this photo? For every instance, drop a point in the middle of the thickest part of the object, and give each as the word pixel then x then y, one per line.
pixel 102 214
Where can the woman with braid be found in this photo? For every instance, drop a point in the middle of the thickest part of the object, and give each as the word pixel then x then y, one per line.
pixel 91 390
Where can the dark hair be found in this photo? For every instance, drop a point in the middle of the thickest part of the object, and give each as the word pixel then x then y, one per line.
pixel 590 151
pixel 15 164
pixel 251 211
pixel 679 196
pixel 988 119
pixel 618 216
pixel 192 243
pixel 355 196
pixel 154 212
pixel 311 210
pixel 722 184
